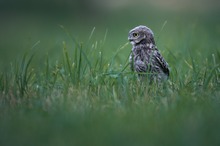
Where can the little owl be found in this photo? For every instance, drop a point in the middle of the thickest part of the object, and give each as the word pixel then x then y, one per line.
pixel 145 58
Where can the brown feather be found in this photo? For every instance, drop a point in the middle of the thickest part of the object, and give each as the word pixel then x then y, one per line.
pixel 145 57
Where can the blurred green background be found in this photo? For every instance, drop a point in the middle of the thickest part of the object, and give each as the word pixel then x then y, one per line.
pixel 108 109
pixel 28 23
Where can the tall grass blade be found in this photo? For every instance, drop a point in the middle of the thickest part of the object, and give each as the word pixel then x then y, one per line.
pixel 164 24
pixel 115 54
pixel 23 74
pixel 79 66
pixel 67 60
pixel 93 30
pixel 211 74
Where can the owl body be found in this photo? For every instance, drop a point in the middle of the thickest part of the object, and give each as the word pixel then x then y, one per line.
pixel 145 59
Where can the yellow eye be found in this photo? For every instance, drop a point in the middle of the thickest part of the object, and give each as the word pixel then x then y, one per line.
pixel 135 35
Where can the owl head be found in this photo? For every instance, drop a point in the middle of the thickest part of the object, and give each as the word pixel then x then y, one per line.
pixel 141 34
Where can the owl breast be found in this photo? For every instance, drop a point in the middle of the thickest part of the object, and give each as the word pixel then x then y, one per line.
pixel 148 62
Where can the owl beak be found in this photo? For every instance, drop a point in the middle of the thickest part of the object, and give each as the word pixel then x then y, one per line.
pixel 130 39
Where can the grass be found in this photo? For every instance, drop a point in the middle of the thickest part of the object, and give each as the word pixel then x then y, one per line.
pixel 87 97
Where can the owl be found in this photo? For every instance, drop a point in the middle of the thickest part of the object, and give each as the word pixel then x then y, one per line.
pixel 145 59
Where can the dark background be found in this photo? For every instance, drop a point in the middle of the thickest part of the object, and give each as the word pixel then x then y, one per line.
pixel 26 24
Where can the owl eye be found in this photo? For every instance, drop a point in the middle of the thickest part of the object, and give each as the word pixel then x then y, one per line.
pixel 135 35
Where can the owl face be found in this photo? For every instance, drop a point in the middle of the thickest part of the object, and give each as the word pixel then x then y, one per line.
pixel 140 33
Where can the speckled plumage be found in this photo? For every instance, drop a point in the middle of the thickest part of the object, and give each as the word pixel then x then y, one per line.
pixel 145 59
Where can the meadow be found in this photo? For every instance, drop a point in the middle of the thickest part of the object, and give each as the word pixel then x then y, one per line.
pixel 68 82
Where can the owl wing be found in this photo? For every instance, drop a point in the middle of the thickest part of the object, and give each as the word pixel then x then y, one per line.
pixel 162 63
pixel 140 66
pixel 136 64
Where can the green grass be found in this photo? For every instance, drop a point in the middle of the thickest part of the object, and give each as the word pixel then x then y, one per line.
pixel 88 96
